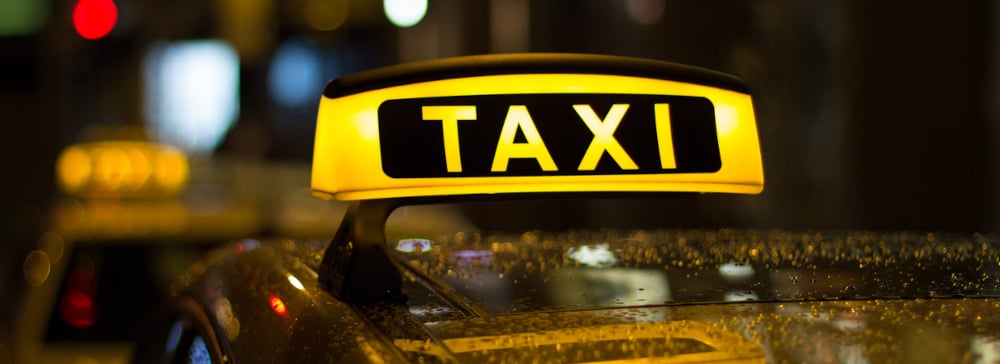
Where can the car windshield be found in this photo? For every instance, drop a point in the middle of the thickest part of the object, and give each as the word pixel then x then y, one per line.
pixel 521 256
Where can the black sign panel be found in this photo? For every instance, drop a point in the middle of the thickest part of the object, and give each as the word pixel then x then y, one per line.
pixel 415 147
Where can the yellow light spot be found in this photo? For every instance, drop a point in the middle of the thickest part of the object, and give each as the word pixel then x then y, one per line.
pixel 171 170
pixel 726 119
pixel 110 167
pixel 366 123
pixel 141 168
pixel 37 267
pixel 73 169
pixel 326 14
pixel 69 214
pixel 52 244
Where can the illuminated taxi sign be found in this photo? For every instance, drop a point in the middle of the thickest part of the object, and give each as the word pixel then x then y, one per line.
pixel 121 169
pixel 535 123
pixel 541 135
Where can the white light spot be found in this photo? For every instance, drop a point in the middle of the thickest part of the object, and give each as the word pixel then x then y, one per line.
pixel 192 92
pixel 734 271
pixel 599 256
pixel 405 13
pixel 295 282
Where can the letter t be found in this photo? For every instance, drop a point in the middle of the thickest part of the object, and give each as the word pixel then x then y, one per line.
pixel 449 117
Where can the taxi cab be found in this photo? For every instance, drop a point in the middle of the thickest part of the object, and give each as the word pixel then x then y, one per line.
pixel 124 226
pixel 518 208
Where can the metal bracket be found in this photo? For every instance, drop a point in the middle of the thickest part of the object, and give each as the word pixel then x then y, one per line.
pixel 356 266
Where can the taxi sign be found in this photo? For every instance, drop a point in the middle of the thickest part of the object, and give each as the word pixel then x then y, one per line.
pixel 122 168
pixel 528 123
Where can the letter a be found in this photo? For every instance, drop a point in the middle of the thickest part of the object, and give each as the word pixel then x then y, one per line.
pixel 518 118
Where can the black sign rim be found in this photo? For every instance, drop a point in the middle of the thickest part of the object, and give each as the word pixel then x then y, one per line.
pixel 528 63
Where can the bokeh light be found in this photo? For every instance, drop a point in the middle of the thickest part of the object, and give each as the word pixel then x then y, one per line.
pixel 277 305
pixel 78 307
pixel 192 92
pixel 93 19
pixel 37 267
pixel 326 14
pixel 405 13
pixel 22 17
pixel 295 282
pixel 295 77
pixel 124 168
pixel 645 12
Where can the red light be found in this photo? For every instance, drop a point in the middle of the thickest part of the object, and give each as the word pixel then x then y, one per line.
pixel 94 19
pixel 278 305
pixel 77 306
pixel 78 310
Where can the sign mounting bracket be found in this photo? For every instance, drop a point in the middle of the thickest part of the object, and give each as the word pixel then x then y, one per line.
pixel 356 265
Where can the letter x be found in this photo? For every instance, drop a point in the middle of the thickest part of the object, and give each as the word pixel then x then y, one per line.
pixel 604 137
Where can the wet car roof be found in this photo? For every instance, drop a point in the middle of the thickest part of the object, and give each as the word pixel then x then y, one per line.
pixel 874 330
pixel 541 271
pixel 449 320
pixel 704 295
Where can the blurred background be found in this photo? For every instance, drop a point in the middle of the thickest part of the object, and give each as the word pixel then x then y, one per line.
pixel 873 115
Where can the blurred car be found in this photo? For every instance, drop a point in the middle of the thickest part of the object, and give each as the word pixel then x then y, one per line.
pixel 522 208
pixel 98 297
pixel 127 224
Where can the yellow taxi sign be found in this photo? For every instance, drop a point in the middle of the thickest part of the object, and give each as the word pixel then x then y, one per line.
pixel 535 123
pixel 121 168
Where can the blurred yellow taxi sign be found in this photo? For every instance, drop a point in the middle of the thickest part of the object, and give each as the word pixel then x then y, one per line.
pixel 535 123
pixel 121 169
